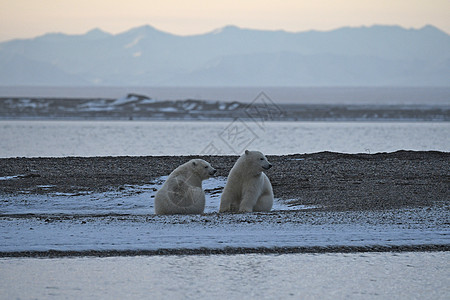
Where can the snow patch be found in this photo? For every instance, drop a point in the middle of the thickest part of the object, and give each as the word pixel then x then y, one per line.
pixel 95 106
pixel 49 186
pixel 10 177
pixel 189 106
pixel 134 42
pixel 168 109
pixel 147 101
pixel 233 106
pixel 124 100
pixel 128 199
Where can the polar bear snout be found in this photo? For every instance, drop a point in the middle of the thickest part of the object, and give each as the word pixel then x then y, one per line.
pixel 212 172
pixel 267 167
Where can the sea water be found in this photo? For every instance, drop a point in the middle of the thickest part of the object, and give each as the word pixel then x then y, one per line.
pixel 251 276
pixel 20 138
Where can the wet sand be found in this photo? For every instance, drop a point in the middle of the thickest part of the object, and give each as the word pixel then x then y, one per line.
pixel 331 181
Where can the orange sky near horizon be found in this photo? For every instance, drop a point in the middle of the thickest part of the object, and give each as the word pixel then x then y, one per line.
pixel 30 18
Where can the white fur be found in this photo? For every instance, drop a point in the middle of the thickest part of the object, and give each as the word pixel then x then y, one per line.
pixel 182 192
pixel 248 189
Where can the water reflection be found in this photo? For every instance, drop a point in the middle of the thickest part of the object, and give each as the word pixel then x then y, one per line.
pixel 253 276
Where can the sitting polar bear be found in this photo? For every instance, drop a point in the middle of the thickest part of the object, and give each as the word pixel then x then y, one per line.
pixel 182 192
pixel 248 189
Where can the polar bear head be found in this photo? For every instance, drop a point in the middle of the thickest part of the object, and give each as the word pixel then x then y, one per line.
pixel 202 168
pixel 256 160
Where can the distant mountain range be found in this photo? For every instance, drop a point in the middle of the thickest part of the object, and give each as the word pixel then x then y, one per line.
pixel 231 56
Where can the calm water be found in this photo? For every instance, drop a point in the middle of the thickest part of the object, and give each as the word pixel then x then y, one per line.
pixel 135 138
pixel 252 276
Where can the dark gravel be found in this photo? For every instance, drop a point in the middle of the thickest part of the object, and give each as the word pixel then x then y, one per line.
pixel 334 181
pixel 228 251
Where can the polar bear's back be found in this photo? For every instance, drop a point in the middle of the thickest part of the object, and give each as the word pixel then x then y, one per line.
pixel 180 200
pixel 181 193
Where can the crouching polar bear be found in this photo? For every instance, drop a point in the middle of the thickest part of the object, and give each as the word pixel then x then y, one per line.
pixel 248 189
pixel 182 192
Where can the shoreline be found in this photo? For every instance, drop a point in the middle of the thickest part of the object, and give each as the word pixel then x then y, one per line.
pixel 229 251
pixel 385 202
pixel 333 181
pixel 141 107
pixel 224 120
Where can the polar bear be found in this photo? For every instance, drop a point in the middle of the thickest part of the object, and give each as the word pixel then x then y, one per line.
pixel 248 189
pixel 182 192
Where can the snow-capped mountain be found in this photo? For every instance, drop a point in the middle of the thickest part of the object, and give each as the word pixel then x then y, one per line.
pixel 231 56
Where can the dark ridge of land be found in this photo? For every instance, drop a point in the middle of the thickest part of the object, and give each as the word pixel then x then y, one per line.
pixel 139 107
pixel 228 251
pixel 332 181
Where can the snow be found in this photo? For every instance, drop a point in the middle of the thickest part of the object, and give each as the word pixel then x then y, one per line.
pixel 134 42
pixel 26 103
pixel 135 200
pixel 124 219
pixel 95 106
pixel 102 105
pixel 147 101
pixel 9 177
pixel 168 109
pixel 150 232
pixel 124 100
pixel 190 106
pixel 233 106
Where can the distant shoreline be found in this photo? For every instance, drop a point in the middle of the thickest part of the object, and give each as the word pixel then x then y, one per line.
pixel 329 95
pixel 141 107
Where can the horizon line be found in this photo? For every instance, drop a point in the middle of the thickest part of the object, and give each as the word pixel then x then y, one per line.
pixel 220 29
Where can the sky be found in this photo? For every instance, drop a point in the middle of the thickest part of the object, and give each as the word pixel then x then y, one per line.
pixel 31 18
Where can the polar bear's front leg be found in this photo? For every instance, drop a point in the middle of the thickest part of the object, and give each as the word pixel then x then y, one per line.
pixel 225 201
pixel 249 200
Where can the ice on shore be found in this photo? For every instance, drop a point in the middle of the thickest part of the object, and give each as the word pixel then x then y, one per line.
pixel 9 177
pixel 218 231
pixel 128 199
pixel 123 219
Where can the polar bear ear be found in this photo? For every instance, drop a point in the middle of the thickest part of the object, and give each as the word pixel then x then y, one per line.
pixel 246 152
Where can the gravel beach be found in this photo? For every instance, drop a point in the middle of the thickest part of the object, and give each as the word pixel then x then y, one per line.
pixel 332 181
pixel 385 202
